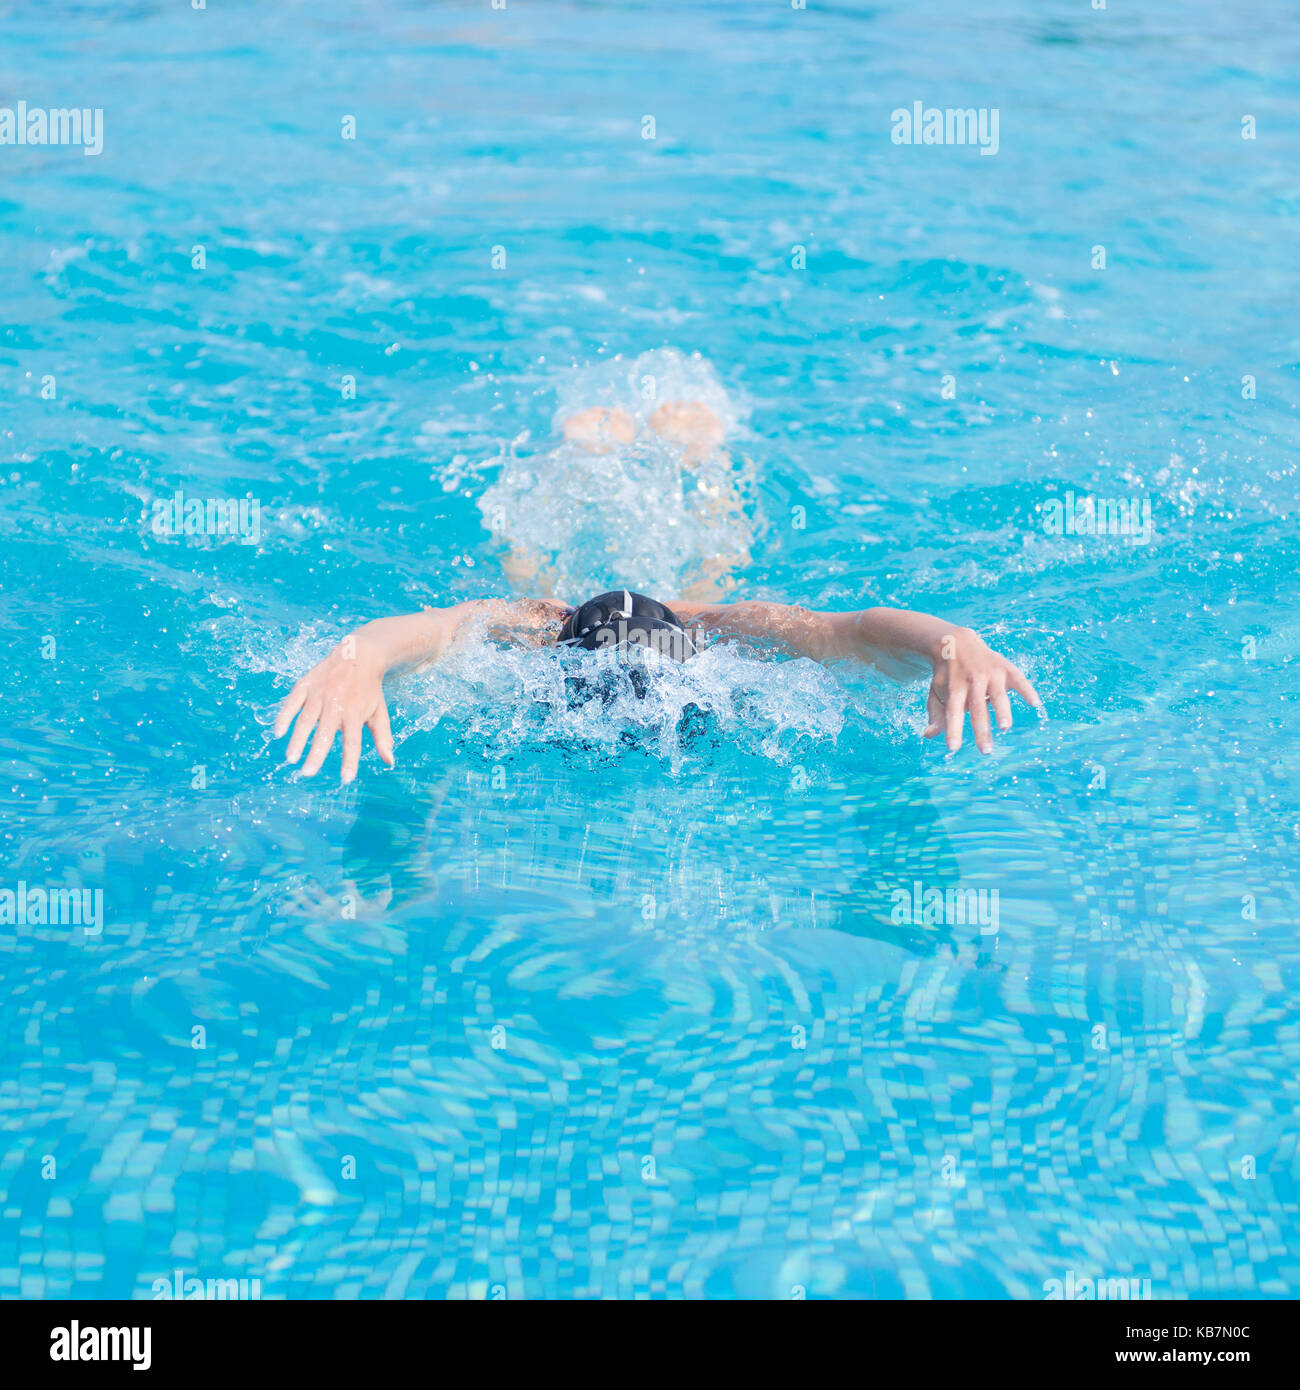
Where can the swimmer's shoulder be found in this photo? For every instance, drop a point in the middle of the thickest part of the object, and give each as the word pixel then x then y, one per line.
pixel 532 622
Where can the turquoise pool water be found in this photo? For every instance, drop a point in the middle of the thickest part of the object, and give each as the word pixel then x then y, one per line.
pixel 550 1012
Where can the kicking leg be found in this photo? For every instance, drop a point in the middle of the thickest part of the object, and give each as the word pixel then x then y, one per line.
pixel 600 431
pixel 700 435
pixel 692 426
pixel 527 572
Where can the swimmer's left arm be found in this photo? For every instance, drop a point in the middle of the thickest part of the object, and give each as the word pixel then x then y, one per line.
pixel 966 675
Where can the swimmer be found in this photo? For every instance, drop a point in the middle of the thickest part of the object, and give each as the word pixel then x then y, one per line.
pixel 344 692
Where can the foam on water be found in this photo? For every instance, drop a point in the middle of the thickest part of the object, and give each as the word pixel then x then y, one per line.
pixel 512 699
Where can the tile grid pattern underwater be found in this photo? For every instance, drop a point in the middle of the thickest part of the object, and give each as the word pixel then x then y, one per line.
pixel 560 1009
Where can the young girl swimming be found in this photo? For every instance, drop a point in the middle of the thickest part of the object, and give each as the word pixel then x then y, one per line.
pixel 344 692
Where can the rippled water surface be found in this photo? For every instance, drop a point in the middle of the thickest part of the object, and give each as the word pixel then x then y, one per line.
pixel 580 1005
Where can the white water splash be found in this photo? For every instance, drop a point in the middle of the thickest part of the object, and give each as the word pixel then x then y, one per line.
pixel 639 515
pixel 641 384
pixel 509 699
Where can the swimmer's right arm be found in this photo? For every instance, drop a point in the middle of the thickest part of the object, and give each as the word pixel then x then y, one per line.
pixel 345 692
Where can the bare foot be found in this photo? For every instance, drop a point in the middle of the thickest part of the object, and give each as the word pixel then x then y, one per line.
pixel 600 431
pixel 526 572
pixel 691 425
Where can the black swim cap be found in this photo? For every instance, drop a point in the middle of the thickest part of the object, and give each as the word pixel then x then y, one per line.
pixel 622 618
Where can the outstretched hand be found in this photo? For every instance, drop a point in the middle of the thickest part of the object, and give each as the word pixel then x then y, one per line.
pixel 970 676
pixel 343 692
